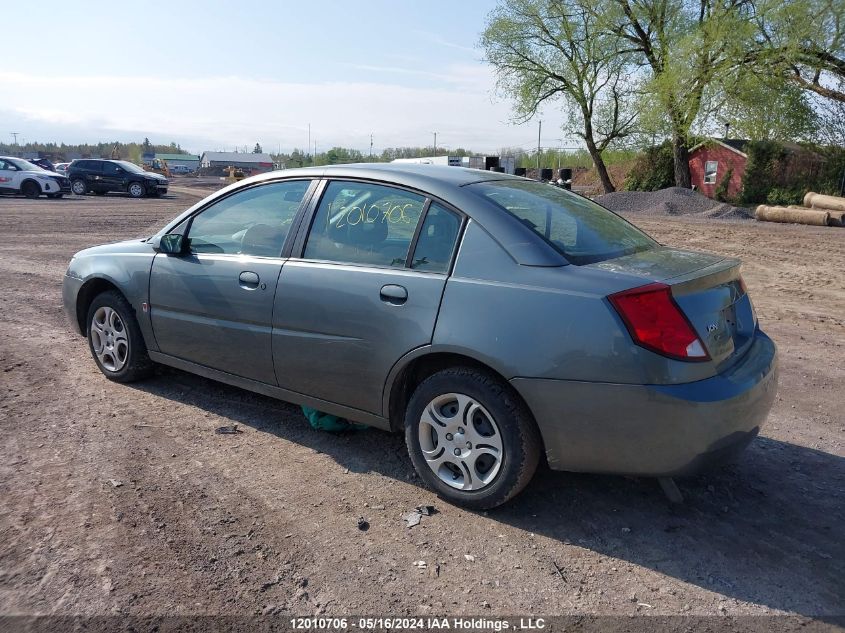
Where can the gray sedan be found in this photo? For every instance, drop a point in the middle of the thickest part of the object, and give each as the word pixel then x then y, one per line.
pixel 493 320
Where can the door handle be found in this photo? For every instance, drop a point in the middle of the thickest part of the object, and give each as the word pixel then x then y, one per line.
pixel 396 295
pixel 248 280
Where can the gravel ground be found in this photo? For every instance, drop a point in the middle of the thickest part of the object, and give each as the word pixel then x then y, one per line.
pixel 121 499
pixel 672 201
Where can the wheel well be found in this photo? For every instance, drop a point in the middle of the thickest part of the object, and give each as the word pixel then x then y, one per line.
pixel 421 368
pixel 89 291
pixel 30 181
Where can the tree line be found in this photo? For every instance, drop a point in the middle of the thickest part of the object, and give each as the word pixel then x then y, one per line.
pixel 61 151
pixel 630 71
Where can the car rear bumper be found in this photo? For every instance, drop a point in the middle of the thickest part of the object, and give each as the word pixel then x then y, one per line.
pixel 654 430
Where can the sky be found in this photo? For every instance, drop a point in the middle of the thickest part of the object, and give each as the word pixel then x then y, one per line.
pixel 222 75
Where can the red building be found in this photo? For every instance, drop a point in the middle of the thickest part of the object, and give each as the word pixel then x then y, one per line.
pixel 711 160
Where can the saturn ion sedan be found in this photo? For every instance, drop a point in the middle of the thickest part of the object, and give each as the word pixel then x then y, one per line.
pixel 493 320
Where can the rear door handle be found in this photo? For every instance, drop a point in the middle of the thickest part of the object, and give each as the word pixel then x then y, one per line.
pixel 249 280
pixel 391 293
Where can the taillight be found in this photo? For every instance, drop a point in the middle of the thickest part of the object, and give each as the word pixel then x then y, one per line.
pixel 656 322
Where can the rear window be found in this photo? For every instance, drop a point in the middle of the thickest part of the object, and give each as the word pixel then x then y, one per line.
pixel 579 229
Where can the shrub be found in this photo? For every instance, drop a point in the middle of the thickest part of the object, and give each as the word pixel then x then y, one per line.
pixel 764 158
pixel 654 169
pixel 777 176
pixel 721 193
pixel 781 197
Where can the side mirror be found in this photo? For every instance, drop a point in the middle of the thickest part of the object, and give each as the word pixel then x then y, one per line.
pixel 171 244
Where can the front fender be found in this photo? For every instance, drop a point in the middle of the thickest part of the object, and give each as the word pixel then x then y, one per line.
pixel 124 266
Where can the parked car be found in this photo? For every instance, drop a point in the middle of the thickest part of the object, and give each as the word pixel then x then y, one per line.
pixel 102 176
pixel 20 176
pixel 492 319
pixel 61 168
pixel 180 169
pixel 43 163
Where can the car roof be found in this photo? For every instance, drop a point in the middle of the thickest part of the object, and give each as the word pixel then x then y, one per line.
pixel 422 176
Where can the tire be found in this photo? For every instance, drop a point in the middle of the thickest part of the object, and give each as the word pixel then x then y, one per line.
pixel 115 339
pixel 136 190
pixel 31 189
pixel 79 187
pixel 501 427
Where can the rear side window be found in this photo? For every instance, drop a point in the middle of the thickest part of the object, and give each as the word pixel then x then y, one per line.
pixel 437 239
pixel 579 229
pixel 363 223
pixel 90 165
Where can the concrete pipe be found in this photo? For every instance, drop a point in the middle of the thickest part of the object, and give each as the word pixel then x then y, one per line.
pixel 819 201
pixel 837 218
pixel 814 217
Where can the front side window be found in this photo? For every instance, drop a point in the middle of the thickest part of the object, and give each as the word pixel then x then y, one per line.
pixel 253 221
pixel 362 223
pixel 710 169
pixel 578 228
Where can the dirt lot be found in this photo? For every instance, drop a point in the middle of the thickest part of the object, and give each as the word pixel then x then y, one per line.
pixel 265 521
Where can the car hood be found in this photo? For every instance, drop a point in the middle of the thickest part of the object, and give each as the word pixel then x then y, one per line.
pixel 150 174
pixel 659 264
pixel 128 247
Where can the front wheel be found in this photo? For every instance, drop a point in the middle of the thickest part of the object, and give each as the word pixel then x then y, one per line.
pixel 136 190
pixel 31 189
pixel 115 339
pixel 470 438
pixel 79 187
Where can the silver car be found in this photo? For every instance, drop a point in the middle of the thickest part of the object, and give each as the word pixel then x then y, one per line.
pixel 495 321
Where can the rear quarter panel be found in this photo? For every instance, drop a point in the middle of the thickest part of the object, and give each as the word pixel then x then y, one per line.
pixel 545 322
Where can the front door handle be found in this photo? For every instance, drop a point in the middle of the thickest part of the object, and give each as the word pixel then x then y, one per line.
pixel 249 280
pixel 396 295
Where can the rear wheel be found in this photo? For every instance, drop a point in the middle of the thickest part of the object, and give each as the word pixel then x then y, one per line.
pixel 79 187
pixel 136 190
pixel 31 189
pixel 115 339
pixel 470 438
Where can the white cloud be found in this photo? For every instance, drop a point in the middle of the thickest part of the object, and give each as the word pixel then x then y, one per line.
pixel 232 111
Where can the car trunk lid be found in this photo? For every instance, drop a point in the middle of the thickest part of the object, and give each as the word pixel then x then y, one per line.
pixel 709 291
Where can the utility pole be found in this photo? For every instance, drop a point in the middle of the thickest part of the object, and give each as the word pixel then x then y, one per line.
pixel 539 133
pixel 559 152
pixel 15 136
pixel 435 143
pixel 315 151
pixel 371 146
pixel 309 138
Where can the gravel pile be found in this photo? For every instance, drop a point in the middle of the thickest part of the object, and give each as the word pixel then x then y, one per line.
pixel 671 201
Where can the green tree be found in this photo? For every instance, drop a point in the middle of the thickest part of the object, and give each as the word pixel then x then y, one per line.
pixel 557 50
pixel 766 107
pixel 686 46
pixel 803 41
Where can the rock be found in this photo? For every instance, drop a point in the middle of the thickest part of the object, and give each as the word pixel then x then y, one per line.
pixel 469 557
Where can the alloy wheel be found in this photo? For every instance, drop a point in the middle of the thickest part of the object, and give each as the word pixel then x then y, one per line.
pixel 109 339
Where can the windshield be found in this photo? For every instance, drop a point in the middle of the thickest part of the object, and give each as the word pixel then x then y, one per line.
pixel 24 165
pixel 129 166
pixel 578 228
